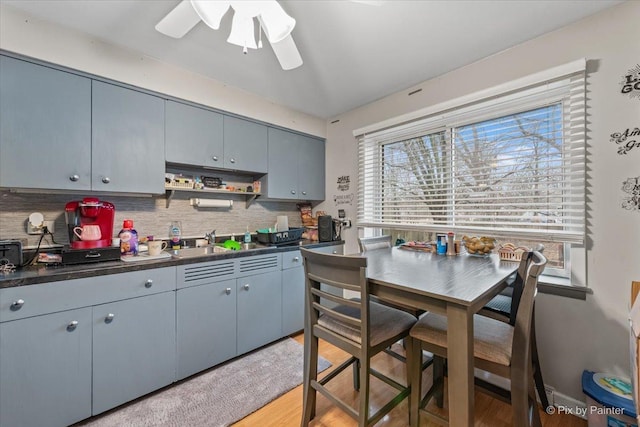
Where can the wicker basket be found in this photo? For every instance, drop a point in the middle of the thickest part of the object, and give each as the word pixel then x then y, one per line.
pixel 512 254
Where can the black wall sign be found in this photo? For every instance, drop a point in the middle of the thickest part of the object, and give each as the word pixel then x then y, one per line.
pixel 630 83
pixel 627 140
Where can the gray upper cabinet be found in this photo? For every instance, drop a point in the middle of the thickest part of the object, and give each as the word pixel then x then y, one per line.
pixel 296 166
pixel 194 136
pixel 245 145
pixel 45 127
pixel 128 140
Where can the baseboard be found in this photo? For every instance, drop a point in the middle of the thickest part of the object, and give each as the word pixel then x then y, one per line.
pixel 568 405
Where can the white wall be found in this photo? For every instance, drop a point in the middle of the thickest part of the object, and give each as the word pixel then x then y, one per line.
pixel 573 335
pixel 21 33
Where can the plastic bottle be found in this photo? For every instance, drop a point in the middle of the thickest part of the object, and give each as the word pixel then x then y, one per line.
pixel 451 249
pixel 175 233
pixel 128 239
pixel 247 236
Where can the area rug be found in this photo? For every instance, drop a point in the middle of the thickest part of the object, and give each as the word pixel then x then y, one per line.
pixel 218 397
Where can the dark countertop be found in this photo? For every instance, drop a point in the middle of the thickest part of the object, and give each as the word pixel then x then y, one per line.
pixel 53 273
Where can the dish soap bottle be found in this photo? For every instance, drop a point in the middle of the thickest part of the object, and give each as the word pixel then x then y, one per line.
pixel 175 232
pixel 247 236
pixel 128 239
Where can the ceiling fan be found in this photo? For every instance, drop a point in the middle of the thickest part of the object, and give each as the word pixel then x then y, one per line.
pixel 274 21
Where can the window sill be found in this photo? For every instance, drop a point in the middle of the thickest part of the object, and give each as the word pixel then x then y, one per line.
pixel 562 287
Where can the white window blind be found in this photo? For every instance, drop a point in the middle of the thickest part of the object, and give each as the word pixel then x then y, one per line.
pixel 512 165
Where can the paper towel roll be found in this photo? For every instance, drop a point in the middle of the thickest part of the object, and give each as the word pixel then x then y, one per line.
pixel 211 203
pixel 282 223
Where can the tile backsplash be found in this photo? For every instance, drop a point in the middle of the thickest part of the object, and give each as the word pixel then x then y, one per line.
pixel 150 215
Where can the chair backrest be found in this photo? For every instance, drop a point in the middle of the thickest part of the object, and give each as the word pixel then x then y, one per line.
pixel 344 273
pixel 518 284
pixel 522 327
pixel 370 243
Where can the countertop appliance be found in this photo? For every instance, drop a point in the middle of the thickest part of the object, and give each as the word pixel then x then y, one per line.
pixel 11 251
pixel 329 229
pixel 89 223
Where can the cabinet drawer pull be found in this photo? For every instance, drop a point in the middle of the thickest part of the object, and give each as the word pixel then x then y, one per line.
pixel 214 158
pixel 304 193
pixel 335 252
pixel 17 305
pixel 296 259
pixel 74 178
pixel 109 318
pixel 106 180
pixel 72 325
pixel 293 191
pixel 227 291
pixel 148 283
pixel 246 287
pixel 232 160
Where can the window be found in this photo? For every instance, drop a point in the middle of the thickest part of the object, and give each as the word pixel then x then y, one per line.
pixel 511 166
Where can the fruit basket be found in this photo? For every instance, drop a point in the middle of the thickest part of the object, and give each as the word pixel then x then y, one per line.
pixel 479 245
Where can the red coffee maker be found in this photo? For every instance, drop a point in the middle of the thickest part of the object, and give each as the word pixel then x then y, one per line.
pixel 90 223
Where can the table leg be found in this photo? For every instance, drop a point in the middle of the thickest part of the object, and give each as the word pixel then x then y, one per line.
pixel 460 360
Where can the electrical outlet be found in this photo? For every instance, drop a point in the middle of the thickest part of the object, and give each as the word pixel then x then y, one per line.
pixel 50 226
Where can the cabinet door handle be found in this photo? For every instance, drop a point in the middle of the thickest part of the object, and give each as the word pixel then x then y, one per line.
pixel 246 287
pixel 109 318
pixel 232 160
pixel 148 283
pixel 293 191
pixel 106 180
pixel 304 193
pixel 296 259
pixel 335 252
pixel 227 291
pixel 17 305
pixel 214 158
pixel 72 325
pixel 74 178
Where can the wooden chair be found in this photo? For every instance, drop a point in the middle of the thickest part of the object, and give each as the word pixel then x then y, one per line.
pixel 357 326
pixel 371 243
pixel 500 348
pixel 504 307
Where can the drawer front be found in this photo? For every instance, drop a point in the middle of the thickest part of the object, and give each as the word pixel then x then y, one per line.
pixel 26 301
pixel 333 249
pixel 291 259
pixel 206 272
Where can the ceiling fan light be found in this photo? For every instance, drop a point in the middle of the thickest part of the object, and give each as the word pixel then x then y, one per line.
pixel 275 21
pixel 242 31
pixel 211 12
pixel 287 53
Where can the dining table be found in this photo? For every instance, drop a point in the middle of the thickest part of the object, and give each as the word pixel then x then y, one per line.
pixel 456 286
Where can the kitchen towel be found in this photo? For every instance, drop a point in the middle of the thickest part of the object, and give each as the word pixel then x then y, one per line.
pixel 211 203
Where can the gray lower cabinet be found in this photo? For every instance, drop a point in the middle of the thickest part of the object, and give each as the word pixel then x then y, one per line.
pixel 259 310
pixel 194 136
pixel 206 326
pixel 292 293
pixel 45 369
pixel 133 349
pixel 296 167
pixel 127 140
pixel 245 145
pixel 45 136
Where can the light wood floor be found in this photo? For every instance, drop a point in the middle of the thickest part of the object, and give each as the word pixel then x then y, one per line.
pixel 287 409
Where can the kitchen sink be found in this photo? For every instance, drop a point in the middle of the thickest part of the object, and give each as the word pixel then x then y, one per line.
pixel 210 250
pixel 196 252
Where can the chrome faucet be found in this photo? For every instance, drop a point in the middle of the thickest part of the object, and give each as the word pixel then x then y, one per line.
pixel 211 237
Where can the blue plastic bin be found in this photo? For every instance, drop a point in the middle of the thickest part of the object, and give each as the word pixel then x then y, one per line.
pixel 609 400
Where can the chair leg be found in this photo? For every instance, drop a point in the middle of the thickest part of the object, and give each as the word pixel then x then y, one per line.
pixel 310 374
pixel 535 414
pixel 414 368
pixel 363 413
pixel 356 375
pixel 537 371
pixel 438 380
